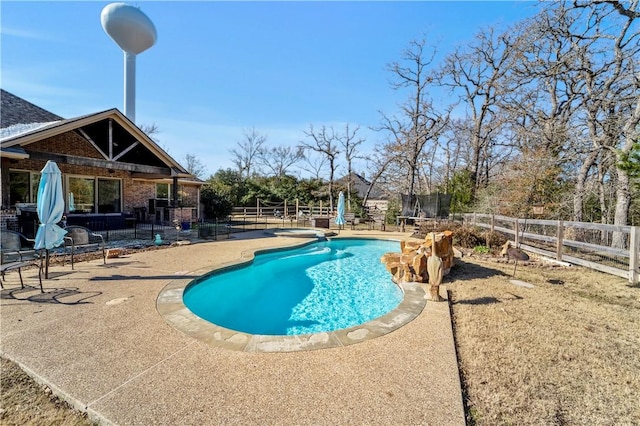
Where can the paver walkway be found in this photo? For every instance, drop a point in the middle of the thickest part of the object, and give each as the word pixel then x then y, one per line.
pixel 96 338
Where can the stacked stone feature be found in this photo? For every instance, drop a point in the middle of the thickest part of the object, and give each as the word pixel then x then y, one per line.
pixel 410 265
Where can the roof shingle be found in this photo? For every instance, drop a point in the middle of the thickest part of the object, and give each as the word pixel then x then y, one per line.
pixel 15 110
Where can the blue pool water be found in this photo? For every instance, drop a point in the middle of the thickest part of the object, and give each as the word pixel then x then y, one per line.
pixel 324 286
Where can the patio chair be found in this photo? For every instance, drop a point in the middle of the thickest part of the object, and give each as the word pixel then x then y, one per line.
pixel 15 255
pixel 79 237
pixel 350 219
pixel 377 219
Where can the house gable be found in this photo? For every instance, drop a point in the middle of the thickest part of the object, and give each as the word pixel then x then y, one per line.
pixel 69 142
pixel 121 145
pixel 115 143
pixel 361 186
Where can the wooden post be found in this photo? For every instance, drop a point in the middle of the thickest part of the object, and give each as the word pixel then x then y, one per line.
pixel 174 196
pixel 110 141
pixel 517 232
pixel 320 208
pixel 560 237
pixel 634 248
pixel 493 222
pixel 286 212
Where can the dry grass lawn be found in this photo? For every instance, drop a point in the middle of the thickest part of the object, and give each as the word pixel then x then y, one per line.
pixel 24 402
pixel 565 352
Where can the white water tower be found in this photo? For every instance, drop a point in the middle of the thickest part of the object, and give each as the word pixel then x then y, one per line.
pixel 134 32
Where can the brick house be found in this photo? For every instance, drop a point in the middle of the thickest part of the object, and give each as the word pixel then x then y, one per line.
pixel 113 173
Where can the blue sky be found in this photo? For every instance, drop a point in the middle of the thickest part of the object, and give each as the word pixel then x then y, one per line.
pixel 221 67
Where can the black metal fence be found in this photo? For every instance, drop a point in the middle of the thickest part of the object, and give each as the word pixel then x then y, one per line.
pixel 152 231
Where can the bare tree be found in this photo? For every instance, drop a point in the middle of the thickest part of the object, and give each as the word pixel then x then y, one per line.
pixel 377 164
pixel 248 151
pixel 325 142
pixel 453 148
pixel 278 160
pixel 418 123
pixel 606 40
pixel 314 163
pixel 194 166
pixel 477 75
pixel 149 129
pixel 350 143
pixel 612 96
pixel 152 131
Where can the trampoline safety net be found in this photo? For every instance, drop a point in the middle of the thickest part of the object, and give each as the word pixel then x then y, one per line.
pixel 429 206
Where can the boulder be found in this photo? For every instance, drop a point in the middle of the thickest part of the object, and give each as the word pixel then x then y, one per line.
pixel 420 267
pixel 412 263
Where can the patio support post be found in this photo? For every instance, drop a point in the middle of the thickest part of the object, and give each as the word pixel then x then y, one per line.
pixel 110 139
pixel 174 202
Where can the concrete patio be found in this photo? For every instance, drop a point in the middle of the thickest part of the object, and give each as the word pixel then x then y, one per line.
pixel 96 339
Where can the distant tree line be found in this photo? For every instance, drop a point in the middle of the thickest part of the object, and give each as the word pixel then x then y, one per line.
pixel 545 113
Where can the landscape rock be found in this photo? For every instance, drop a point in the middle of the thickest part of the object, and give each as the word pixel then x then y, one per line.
pixel 412 263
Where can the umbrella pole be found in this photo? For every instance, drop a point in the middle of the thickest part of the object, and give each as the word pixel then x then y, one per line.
pixel 46 267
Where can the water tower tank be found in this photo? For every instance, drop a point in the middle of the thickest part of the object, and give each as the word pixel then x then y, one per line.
pixel 134 32
pixel 131 29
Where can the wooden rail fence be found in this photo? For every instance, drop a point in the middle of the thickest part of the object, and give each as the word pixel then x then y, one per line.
pixel 581 243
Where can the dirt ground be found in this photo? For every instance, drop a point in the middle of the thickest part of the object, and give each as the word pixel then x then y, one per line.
pixel 24 402
pixel 563 352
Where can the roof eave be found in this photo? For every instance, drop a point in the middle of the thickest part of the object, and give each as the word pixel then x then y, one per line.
pixel 74 123
pixel 13 155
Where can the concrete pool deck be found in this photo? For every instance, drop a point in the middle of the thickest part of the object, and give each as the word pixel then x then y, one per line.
pixel 95 337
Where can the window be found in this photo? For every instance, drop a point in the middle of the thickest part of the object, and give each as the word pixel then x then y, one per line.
pixel 23 187
pixel 35 183
pixel 162 191
pixel 89 195
pixel 108 196
pixel 83 190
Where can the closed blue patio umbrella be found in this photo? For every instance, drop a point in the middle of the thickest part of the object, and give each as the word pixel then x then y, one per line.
pixel 340 216
pixel 50 208
pixel 72 203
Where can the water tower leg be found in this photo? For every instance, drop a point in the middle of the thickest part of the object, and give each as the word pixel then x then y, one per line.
pixel 130 86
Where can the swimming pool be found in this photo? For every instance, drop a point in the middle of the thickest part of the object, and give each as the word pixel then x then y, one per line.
pixel 320 287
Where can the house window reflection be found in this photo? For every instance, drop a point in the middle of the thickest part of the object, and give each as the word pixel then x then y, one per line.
pixel 90 195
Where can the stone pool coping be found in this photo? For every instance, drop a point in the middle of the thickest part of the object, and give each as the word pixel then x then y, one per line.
pixel 300 232
pixel 170 306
